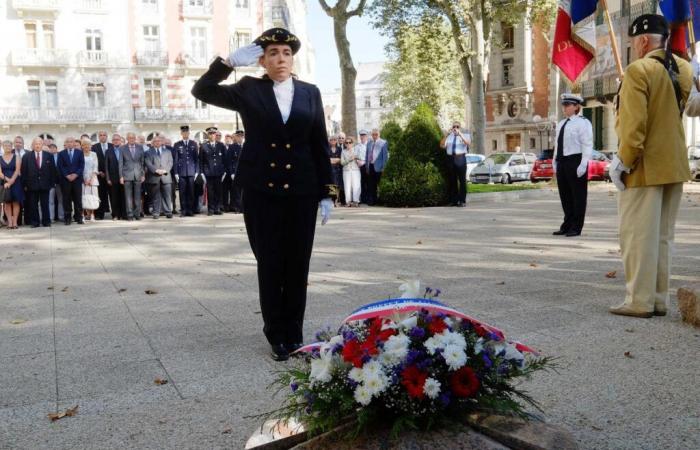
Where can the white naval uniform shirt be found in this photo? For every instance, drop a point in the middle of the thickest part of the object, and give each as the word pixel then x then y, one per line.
pixel 578 138
pixel 284 93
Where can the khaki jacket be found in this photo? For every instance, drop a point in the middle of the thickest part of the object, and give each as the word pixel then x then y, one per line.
pixel 649 125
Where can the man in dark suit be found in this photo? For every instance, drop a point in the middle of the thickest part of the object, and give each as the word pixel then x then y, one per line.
pixel 186 164
pixel 70 168
pixel 232 193
pixel 131 175
pixel 38 177
pixel 115 188
pixel 158 162
pixel 100 150
pixel 212 166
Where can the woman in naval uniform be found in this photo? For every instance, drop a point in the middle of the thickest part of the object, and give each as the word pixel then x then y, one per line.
pixel 571 155
pixel 284 173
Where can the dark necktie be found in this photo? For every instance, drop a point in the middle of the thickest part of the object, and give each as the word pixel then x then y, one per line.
pixel 70 153
pixel 454 144
pixel 560 142
pixel 132 150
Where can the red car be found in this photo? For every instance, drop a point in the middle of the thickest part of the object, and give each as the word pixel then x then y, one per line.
pixel 543 170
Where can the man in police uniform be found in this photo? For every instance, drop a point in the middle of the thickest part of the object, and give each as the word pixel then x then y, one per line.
pixel 186 164
pixel 284 171
pixel 212 166
pixel 573 150
pixel 232 193
pixel 651 165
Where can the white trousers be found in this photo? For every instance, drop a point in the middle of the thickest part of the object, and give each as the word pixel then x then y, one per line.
pixel 647 225
pixel 351 182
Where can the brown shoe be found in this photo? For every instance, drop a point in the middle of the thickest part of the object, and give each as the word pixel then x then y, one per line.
pixel 624 310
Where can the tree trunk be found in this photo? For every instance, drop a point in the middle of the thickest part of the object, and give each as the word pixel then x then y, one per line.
pixel 478 86
pixel 348 75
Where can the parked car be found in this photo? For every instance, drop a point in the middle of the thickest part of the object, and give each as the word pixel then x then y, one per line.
pixel 472 162
pixel 597 166
pixel 503 168
pixel 542 169
pixel 694 161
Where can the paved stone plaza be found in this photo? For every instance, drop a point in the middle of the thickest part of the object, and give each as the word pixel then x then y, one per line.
pixel 78 328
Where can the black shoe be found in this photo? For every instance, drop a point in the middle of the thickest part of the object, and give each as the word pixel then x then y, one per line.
pixel 137 217
pixel 573 233
pixel 35 226
pixel 168 216
pixel 560 233
pixel 67 222
pixel 291 348
pixel 80 222
pixel 129 219
pixel 46 225
pixel 189 214
pixel 155 217
pixel 209 213
pixel 279 353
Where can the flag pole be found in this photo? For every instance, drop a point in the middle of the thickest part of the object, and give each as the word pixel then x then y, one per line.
pixel 613 40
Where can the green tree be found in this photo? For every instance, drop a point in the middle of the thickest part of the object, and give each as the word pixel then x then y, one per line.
pixel 423 55
pixel 391 132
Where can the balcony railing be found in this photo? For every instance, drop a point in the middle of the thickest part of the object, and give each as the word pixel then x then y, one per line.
pixel 151 59
pixel 179 114
pixel 35 5
pixel 40 57
pixel 27 116
pixel 201 61
pixel 92 6
pixel 93 58
pixel 204 9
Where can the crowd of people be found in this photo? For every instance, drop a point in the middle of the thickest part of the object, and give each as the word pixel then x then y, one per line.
pixel 128 178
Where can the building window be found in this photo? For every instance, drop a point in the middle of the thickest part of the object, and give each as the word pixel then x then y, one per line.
pixel 533 144
pixel 150 4
pixel 93 40
pixel 198 43
pixel 47 28
pixel 34 93
pixel 152 91
pixel 51 94
pixel 242 4
pixel 151 38
pixel 494 145
pixel 629 55
pixel 30 31
pixel 508 35
pixel 96 95
pixel 368 102
pixel 507 71
pixel 382 101
pixel 196 3
pixel 239 39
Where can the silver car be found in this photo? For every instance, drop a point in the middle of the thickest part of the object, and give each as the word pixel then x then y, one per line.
pixel 694 161
pixel 504 168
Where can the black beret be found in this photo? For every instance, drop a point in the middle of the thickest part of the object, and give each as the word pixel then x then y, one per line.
pixel 185 128
pixel 239 132
pixel 278 36
pixel 648 24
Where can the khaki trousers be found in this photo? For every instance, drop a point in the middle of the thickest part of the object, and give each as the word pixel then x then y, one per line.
pixel 647 222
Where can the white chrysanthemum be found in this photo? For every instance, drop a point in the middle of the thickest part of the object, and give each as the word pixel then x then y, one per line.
pixel 432 344
pixel 371 368
pixel 376 384
pixel 409 323
pixel 356 374
pixel 513 354
pixel 321 369
pixel 362 395
pixel 397 346
pixel 450 338
pixel 479 346
pixel 410 289
pixel 431 388
pixel 335 340
pixel 454 356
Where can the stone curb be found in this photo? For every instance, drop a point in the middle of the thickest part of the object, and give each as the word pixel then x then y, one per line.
pixel 509 196
pixel 689 305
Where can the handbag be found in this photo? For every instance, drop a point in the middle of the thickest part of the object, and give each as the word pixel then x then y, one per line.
pixel 2 192
pixel 91 199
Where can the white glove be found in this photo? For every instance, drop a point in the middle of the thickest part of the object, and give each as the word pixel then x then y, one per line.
pixel 615 170
pixel 223 177
pixel 204 177
pixel 581 170
pixel 177 178
pixel 232 177
pixel 246 56
pixel 326 208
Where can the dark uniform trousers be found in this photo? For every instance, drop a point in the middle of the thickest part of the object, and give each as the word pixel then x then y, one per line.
pixel 34 199
pixel 187 198
pixel 281 234
pixel 573 192
pixel 214 193
pixel 117 199
pixel 72 192
pixel 372 182
pixel 457 178
pixel 232 195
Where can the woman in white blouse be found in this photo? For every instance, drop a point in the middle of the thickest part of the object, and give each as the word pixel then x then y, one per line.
pixel 91 199
pixel 351 161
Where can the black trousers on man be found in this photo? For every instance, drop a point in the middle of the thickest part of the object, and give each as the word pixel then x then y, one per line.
pixel 187 198
pixel 34 198
pixel 232 196
pixel 573 193
pixel 103 192
pixel 281 235
pixel 117 200
pixel 214 194
pixel 72 192
pixel 457 179
pixel 372 178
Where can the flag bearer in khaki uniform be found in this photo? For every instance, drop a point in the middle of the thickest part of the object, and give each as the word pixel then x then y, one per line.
pixel 651 165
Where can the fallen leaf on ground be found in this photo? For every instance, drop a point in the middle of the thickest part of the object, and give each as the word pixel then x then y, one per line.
pixel 121 290
pixel 151 291
pixel 501 283
pixel 596 428
pixel 199 315
pixel 419 242
pixel 629 330
pixel 160 382
pixel 227 431
pixel 70 412
pixel 18 321
pixel 533 265
pixel 49 288
pixel 629 355
pixel 612 274
pixel 65 289
pixel 257 312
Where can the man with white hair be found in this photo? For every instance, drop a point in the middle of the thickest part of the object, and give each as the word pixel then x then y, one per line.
pixel 71 164
pixel 131 175
pixel 100 149
pixel 38 176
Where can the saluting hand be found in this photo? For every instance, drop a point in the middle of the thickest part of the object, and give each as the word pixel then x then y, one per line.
pixel 246 56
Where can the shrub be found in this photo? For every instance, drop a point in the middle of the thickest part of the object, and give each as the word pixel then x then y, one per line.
pixel 421 137
pixel 411 184
pixel 391 132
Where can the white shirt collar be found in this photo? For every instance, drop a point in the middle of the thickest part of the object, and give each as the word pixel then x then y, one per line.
pixel 284 93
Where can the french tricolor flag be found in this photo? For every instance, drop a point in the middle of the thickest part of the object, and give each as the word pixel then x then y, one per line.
pixel 677 13
pixel 574 43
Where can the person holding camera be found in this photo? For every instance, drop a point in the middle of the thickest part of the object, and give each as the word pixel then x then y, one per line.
pixel 456 145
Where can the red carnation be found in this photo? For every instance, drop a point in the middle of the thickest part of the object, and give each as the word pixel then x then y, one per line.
pixel 352 353
pixel 464 382
pixel 413 380
pixel 437 326
pixel 376 332
pixel 480 330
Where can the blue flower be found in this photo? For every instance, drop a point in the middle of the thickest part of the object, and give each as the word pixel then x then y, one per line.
pixel 445 399
pixel 294 387
pixel 487 361
pixel 437 292
pixel 348 335
pixel 417 333
pixel 423 364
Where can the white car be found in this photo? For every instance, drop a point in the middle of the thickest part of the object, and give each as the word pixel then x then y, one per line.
pixel 504 168
pixel 473 161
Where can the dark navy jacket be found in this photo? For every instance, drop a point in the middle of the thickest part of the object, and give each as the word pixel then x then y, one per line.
pixel 185 159
pixel 39 179
pixel 278 158
pixel 67 167
pixel 231 155
pixel 211 159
